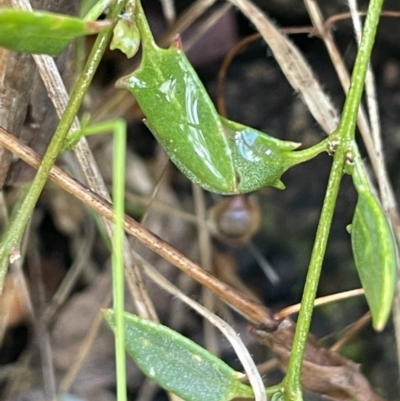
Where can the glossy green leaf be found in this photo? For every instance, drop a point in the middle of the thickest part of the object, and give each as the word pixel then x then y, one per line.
pixel 259 159
pixel 42 32
pixel 182 117
pixel 374 250
pixel 178 364
pixel 220 155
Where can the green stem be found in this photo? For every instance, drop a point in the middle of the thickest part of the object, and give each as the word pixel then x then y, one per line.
pixel 293 390
pixel 348 121
pixel 11 241
pixel 118 127
pixel 277 388
pixel 146 36
pixel 346 134
pixel 94 13
pixel 118 252
pixel 301 156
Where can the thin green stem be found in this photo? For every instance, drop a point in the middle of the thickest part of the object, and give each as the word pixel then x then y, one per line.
pixel 119 127
pixel 277 388
pixel 293 389
pixel 146 35
pixel 346 134
pixel 97 10
pixel 12 238
pixel 300 156
pixel 348 121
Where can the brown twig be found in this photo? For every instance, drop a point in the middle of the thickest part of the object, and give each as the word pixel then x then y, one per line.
pixel 343 16
pixel 352 332
pixel 236 49
pixel 252 310
pixel 319 301
pixel 224 68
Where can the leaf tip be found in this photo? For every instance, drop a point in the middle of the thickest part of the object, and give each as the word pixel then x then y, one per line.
pixel 379 322
pixel 279 184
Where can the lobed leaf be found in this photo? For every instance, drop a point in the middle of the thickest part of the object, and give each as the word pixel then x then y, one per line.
pixel 259 159
pixel 188 128
pixel 178 364
pixel 220 155
pixel 42 32
pixel 374 250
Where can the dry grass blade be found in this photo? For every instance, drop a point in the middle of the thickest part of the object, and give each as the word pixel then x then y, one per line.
pixel 204 241
pixel 59 96
pixel 320 301
pixel 294 66
pixel 16 72
pixel 42 331
pixel 338 63
pixel 168 10
pixel 301 78
pixel 207 24
pixel 224 68
pixel 252 310
pixel 372 139
pixel 343 16
pixel 355 328
pixel 371 136
pixel 377 156
pixel 66 287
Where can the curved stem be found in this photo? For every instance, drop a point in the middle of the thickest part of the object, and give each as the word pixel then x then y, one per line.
pixel 346 133
pixel 293 390
pixel 300 156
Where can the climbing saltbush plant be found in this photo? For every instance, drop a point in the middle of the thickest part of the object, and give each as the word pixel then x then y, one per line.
pixel 224 157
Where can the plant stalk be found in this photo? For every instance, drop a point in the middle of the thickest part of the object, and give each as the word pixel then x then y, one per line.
pixel 119 155
pixel 346 134
pixel 10 243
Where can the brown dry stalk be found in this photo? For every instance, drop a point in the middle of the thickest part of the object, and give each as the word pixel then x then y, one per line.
pixel 252 310
pixel 345 16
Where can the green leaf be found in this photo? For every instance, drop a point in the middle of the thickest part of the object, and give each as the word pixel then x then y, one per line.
pixel 188 128
pixel 178 364
pixel 259 159
pixel 219 155
pixel 42 32
pixel 374 250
